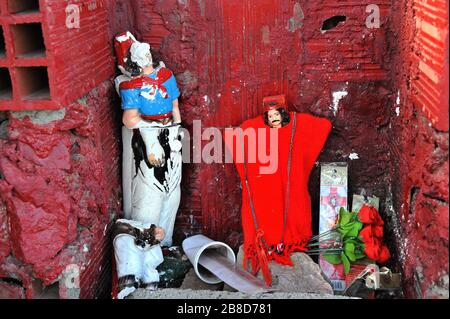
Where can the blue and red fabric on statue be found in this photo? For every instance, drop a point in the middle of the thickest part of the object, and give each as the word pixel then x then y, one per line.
pixel 268 190
pixel 152 94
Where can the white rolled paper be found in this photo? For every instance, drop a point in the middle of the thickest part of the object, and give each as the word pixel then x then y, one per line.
pixel 199 245
pixel 215 262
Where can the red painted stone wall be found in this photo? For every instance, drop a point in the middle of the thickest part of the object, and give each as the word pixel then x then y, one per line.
pixel 61 186
pixel 228 55
pixel 60 183
pixel 420 147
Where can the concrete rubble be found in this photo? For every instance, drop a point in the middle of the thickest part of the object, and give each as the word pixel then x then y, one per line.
pixel 304 277
pixel 208 294
pixel 302 281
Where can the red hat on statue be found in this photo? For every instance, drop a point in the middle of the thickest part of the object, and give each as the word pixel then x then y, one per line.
pixel 122 44
pixel 274 102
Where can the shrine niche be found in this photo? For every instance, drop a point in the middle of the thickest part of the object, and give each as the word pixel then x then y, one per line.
pixel 79 168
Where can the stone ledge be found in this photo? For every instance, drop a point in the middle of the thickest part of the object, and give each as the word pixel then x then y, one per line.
pixel 172 293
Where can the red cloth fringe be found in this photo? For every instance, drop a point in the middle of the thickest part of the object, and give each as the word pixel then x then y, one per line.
pixel 260 258
pixel 263 261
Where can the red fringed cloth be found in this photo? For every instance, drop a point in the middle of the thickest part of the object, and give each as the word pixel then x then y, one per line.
pixel 268 190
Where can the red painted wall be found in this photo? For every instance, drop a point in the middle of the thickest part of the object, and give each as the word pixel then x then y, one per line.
pixel 61 186
pixel 228 55
pixel 420 147
pixel 60 183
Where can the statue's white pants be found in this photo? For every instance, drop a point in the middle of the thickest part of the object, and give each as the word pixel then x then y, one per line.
pixel 145 199
pixel 154 207
pixel 135 260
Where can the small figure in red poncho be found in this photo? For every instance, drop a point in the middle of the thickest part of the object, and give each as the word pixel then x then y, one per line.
pixel 276 208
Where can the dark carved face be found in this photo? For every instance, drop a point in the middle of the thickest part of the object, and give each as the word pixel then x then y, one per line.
pixel 277 118
pixel 274 118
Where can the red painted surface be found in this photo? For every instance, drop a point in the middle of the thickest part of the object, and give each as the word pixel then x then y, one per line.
pixel 76 60
pixel 5 244
pixel 10 291
pixel 420 150
pixel 64 176
pixel 228 55
pixel 61 186
pixel 429 61
pixel 60 180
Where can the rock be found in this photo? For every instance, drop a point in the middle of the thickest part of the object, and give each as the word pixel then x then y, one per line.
pixel 191 281
pixel 304 277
